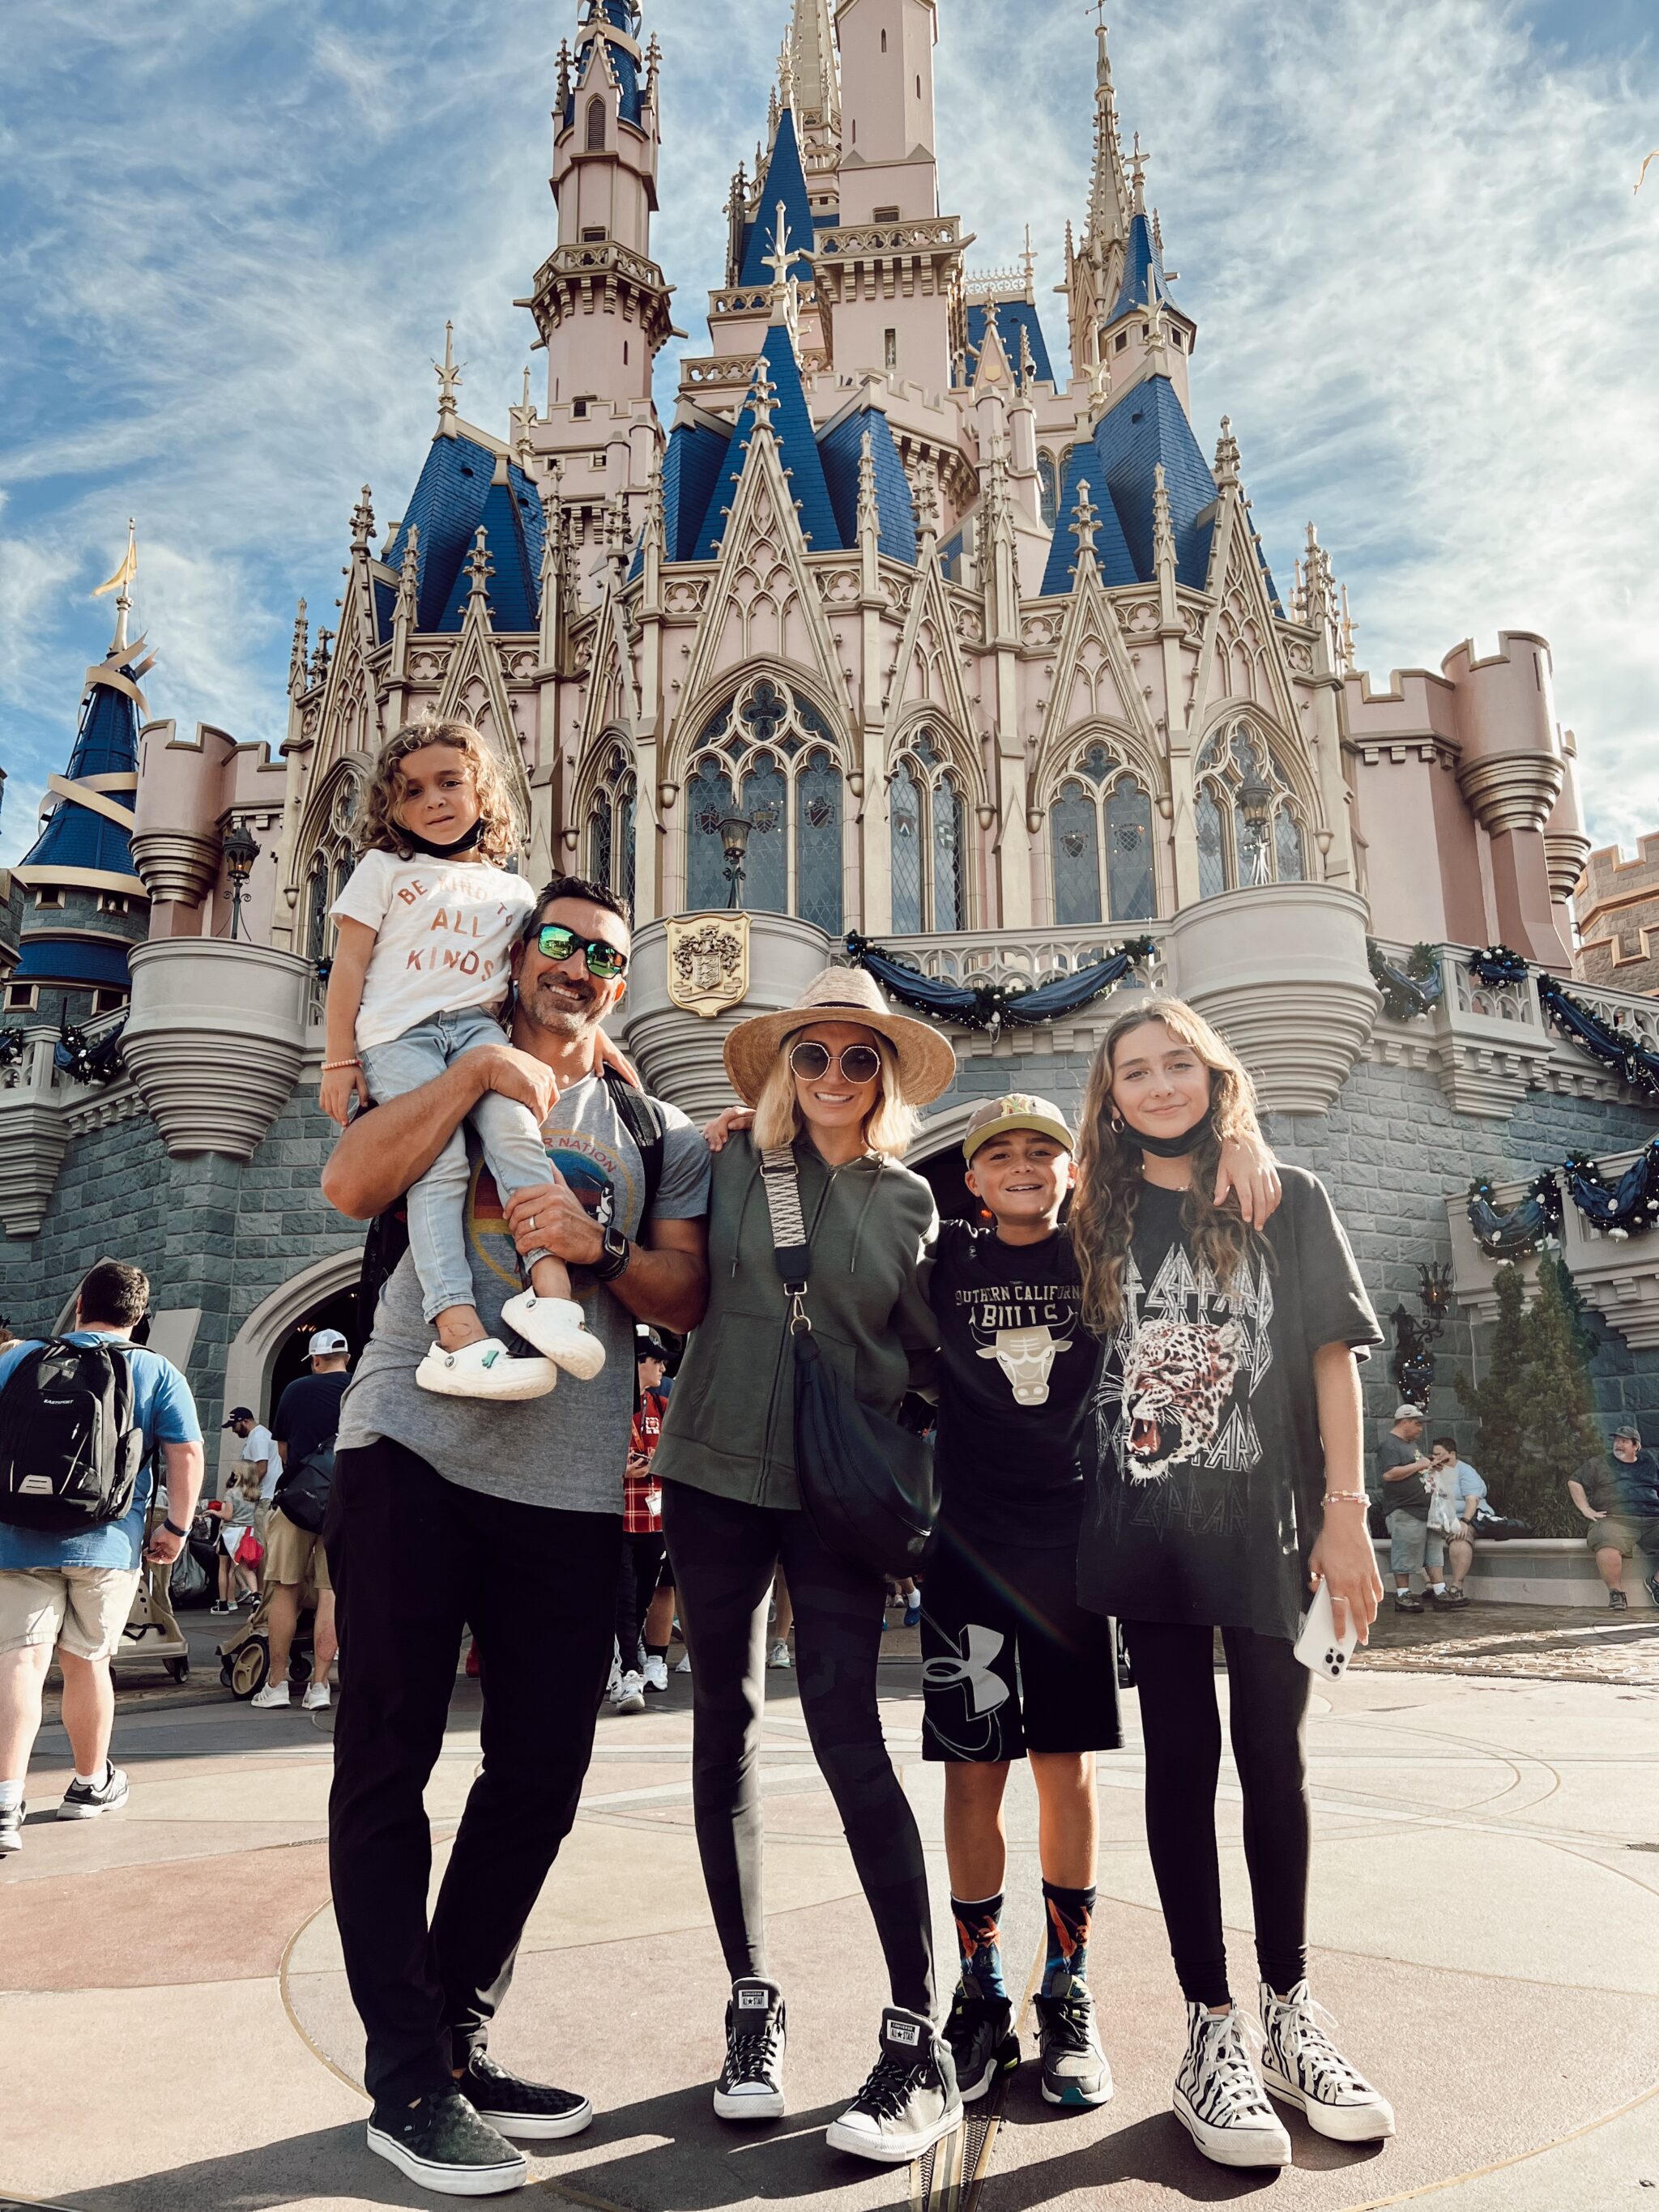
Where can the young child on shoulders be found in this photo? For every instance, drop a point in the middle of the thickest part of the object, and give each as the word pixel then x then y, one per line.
pixel 420 976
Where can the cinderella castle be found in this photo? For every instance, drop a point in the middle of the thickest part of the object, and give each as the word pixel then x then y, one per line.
pixel 932 630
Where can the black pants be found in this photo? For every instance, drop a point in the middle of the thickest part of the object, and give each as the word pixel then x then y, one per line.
pixel 636 1585
pixel 412 1558
pixel 725 1556
pixel 1175 1673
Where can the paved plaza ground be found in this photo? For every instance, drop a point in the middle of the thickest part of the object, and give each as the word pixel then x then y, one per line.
pixel 177 2035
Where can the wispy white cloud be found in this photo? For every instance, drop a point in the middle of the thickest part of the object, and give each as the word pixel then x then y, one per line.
pixel 1426 295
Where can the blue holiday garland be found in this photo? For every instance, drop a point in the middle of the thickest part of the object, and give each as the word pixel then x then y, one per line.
pixel 1519 1232
pixel 1412 991
pixel 993 1007
pixel 72 1056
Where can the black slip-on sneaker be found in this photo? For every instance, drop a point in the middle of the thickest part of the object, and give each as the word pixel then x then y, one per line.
pixel 441 2143
pixel 533 2110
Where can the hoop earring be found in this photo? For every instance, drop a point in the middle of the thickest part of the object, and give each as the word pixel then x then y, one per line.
pixel 1117 1124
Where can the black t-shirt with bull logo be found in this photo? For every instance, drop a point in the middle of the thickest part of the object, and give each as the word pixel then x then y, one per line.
pixel 1209 1467
pixel 1019 1376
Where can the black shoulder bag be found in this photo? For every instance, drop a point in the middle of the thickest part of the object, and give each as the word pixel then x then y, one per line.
pixel 867 1485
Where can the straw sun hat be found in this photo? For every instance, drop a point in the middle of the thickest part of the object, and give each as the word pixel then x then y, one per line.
pixel 927 1065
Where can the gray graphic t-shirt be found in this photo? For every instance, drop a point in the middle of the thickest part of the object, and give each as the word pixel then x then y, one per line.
pixel 570 1447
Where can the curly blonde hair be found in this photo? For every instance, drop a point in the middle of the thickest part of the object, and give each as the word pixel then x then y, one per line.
pixel 777 1120
pixel 1109 1164
pixel 500 835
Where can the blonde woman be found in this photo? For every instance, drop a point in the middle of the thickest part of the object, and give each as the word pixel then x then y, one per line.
pixel 1228 1486
pixel 835 1079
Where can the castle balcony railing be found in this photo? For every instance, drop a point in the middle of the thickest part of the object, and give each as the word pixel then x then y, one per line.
pixel 1033 957
pixel 41 1108
pixel 754 300
pixel 871 240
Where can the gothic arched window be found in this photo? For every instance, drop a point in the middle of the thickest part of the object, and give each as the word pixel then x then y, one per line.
pixel 1251 829
pixel 317 909
pixel 771 756
pixel 926 828
pixel 1103 807
pixel 1048 487
pixel 610 826
pixel 595 125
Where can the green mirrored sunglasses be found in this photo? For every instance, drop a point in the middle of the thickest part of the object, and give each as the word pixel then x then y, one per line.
pixel 557 944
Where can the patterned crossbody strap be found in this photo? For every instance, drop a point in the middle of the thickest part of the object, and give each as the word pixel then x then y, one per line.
pixel 791 1252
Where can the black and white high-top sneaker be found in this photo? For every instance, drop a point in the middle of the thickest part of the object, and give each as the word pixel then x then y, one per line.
pixel 1075 2067
pixel 981 2033
pixel 750 2086
pixel 1219 2096
pixel 909 2101
pixel 1302 2065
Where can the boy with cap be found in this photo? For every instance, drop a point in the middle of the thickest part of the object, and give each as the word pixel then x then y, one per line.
pixel 1013 1667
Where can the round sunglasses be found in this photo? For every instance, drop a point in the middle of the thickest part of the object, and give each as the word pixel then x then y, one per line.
pixel 859 1063
pixel 557 944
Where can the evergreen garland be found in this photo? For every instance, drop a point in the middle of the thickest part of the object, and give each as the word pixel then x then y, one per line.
pixel 1525 1228
pixel 1498 964
pixel 984 1005
pixel 12 1042
pixel 1412 991
pixel 84 1062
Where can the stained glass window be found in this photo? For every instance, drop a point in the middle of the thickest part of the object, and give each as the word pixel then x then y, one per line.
pixel 1211 853
pixel 817 844
pixel 317 922
pixel 598 842
pixel 1287 847
pixel 765 799
pixel 777 750
pixel 905 836
pixel 1129 852
pixel 707 802
pixel 1047 490
pixel 1232 849
pixel 1076 832
pixel 948 856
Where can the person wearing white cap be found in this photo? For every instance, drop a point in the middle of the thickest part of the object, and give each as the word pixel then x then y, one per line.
pixel 834 1081
pixel 307 1414
pixel 1405 1470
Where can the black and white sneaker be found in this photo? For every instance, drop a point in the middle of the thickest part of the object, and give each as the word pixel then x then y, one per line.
pixel 85 1801
pixel 532 2110
pixel 1075 2067
pixel 11 1827
pixel 980 2031
pixel 1304 2066
pixel 1219 2096
pixel 909 2101
pixel 750 2086
pixel 441 2143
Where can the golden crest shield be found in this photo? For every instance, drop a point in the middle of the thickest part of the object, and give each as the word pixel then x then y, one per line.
pixel 709 962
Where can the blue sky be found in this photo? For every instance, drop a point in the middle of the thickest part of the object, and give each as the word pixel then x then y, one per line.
pixel 231 231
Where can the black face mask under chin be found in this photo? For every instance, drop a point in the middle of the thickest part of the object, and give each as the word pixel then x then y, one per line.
pixel 458 845
pixel 1170 1148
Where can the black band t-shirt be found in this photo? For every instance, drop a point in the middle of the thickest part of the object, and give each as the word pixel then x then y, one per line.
pixel 1018 1376
pixel 1209 1469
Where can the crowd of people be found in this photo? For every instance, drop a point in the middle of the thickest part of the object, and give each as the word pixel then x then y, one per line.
pixel 1141 1364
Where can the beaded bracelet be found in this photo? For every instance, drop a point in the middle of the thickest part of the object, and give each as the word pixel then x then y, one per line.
pixel 329 1066
pixel 1345 1498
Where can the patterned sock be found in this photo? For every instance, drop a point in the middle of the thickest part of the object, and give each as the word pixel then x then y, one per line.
pixel 979 1938
pixel 1068 1912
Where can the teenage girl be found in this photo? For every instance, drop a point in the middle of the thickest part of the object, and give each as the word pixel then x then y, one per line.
pixel 1229 1485
pixel 420 976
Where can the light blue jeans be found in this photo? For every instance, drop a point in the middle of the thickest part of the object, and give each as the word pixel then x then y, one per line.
pixel 512 1144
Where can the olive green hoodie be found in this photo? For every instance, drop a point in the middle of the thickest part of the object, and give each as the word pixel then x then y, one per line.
pixel 729 1425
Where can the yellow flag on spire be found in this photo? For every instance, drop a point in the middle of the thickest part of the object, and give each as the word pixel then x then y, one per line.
pixel 129 568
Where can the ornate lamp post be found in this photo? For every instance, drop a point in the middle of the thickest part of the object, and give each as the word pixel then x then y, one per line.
pixel 734 837
pixel 1255 803
pixel 240 853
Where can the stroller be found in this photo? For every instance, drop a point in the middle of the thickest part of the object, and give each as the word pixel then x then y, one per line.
pixel 245 1654
pixel 152 1633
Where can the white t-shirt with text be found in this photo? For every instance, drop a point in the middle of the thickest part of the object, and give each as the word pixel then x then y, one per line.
pixel 443 932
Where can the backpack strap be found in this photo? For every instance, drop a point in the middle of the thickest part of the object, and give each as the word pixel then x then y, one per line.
pixel 645 1121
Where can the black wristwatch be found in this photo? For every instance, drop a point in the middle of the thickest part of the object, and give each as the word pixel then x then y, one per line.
pixel 615 1254
pixel 179 1533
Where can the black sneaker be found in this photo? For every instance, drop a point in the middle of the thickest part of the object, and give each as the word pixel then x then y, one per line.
pixel 1651 1585
pixel 441 2143
pixel 1075 2068
pixel 85 1801
pixel 530 2109
pixel 910 2099
pixel 11 1827
pixel 1618 1602
pixel 750 2086
pixel 983 2044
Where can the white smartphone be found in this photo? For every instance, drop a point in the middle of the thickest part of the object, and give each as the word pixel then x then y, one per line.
pixel 1319 1647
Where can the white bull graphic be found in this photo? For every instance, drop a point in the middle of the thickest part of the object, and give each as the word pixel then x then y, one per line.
pixel 1026 1356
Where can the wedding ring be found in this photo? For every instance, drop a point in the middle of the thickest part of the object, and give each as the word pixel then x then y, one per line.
pixel 532 1221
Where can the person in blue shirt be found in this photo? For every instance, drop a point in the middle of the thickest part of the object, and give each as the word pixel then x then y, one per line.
pixel 73 1593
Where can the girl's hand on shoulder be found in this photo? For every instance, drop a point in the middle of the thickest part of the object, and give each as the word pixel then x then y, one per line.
pixel 339 1089
pixel 1344 1559
pixel 610 1054
pixel 731 1124
pixel 1250 1172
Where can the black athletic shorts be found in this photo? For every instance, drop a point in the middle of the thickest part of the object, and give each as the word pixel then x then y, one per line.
pixel 665 1573
pixel 1011 1662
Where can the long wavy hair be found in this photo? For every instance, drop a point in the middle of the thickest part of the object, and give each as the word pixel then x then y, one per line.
pixel 499 836
pixel 1108 1179
pixel 888 1129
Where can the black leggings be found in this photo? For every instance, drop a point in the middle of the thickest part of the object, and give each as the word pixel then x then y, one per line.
pixel 725 1555
pixel 1175 1673
pixel 636 1585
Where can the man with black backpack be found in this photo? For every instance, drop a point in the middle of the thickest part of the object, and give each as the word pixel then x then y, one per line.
pixel 448 1511
pixel 82 1417
pixel 303 1428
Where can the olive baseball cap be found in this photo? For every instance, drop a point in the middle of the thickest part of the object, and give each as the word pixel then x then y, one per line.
pixel 1018 1111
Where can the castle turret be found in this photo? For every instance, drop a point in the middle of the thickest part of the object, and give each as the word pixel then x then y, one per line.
pixel 85 904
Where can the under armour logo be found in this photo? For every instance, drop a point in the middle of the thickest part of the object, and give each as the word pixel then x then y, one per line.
pixel 986 1691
